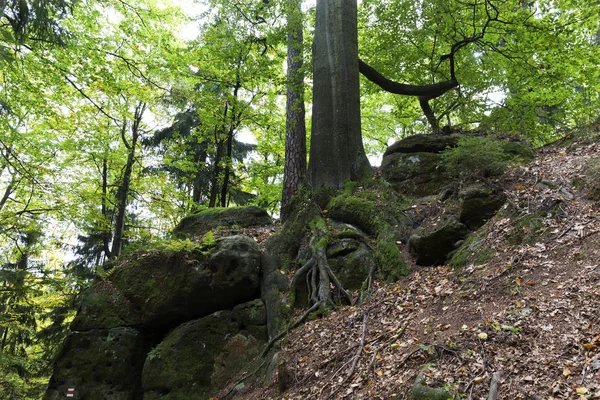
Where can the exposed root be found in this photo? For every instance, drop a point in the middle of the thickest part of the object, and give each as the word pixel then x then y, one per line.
pixel 318 275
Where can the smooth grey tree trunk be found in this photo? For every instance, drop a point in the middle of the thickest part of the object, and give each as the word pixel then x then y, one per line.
pixel 336 153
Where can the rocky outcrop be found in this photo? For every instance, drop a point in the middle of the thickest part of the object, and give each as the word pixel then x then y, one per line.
pixel 197 225
pixel 99 364
pixel 432 244
pixel 423 144
pixel 199 357
pixel 412 165
pixel 173 287
pixel 478 203
pixel 156 290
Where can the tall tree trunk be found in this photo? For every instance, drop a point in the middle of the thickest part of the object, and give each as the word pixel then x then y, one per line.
pixel 106 230
pixel 123 190
pixel 336 153
pixel 294 170
pixel 430 115
pixel 229 161
pixel 214 188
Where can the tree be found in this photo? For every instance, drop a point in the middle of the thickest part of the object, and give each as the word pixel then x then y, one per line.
pixel 336 153
pixel 294 172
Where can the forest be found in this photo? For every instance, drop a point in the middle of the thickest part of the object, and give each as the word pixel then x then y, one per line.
pixel 118 119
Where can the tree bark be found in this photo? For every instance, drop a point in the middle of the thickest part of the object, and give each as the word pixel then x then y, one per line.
pixel 336 152
pixel 429 114
pixel 294 170
pixel 123 190
pixel 427 92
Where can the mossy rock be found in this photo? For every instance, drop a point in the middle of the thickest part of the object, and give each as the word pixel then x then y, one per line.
pixel 195 359
pixel 519 150
pixel 390 263
pixel 354 210
pixel 422 144
pixel 478 203
pixel 591 173
pixel 420 390
pixel 197 225
pixel 104 307
pixel 102 364
pixel 414 174
pixel 432 245
pixel 172 287
pixel 473 250
pixel 351 267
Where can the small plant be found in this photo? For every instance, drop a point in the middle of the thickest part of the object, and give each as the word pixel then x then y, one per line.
pixel 476 157
pixel 209 238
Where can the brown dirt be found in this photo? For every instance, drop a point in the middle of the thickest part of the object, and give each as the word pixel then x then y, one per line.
pixel 531 312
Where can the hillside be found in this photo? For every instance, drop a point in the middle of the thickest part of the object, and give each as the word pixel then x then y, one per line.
pixel 523 308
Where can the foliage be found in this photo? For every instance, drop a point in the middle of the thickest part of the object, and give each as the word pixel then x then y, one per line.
pixel 475 157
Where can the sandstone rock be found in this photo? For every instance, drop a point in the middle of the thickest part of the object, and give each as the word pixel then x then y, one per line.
pixel 431 245
pixel 479 202
pixel 104 307
pixel 414 173
pixel 173 287
pixel 197 225
pixel 198 357
pixel 100 364
pixel 423 144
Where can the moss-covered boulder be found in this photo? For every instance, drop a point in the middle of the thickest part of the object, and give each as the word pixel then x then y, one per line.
pixel 169 287
pixel 354 210
pixel 197 225
pixel 100 364
pixel 423 144
pixel 432 244
pixel 421 391
pixel 104 307
pixel 417 174
pixel 350 260
pixel 197 358
pixel 478 203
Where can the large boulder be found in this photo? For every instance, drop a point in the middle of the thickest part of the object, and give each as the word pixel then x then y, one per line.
pixel 199 357
pixel 478 203
pixel 423 144
pixel 199 224
pixel 105 307
pixel 351 261
pixel 432 245
pixel 170 287
pixel 417 174
pixel 100 364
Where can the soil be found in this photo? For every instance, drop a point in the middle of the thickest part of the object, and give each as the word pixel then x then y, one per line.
pixel 530 312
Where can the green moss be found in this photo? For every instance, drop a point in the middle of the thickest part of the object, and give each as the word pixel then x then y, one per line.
pixel 390 262
pixel 473 250
pixel 354 210
pixel 526 229
pixel 350 187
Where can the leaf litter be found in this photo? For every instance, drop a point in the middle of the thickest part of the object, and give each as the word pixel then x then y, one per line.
pixel 531 312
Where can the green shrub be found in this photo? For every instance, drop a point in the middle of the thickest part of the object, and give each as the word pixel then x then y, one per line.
pixel 476 157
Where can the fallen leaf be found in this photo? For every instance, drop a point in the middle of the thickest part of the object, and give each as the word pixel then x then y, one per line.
pixel 482 335
pixel 566 372
pixel 581 390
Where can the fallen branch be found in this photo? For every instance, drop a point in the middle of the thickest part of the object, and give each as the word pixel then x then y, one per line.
pixel 496 376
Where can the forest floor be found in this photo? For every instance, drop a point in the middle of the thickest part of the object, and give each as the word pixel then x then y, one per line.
pixel 531 312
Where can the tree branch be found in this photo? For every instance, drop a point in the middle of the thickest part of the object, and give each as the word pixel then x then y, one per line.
pixel 428 92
